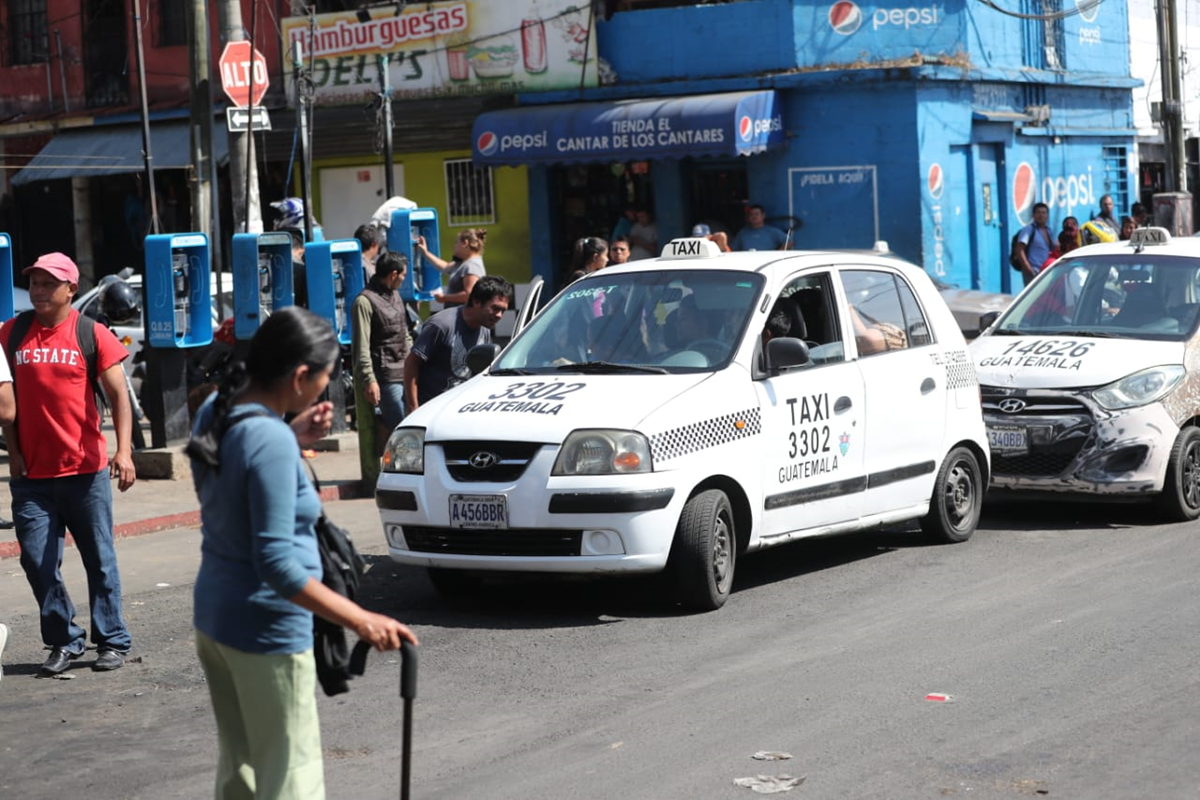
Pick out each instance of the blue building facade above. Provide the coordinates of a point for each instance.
(935, 127)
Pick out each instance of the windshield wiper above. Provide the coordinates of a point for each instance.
(511, 371)
(1090, 333)
(608, 366)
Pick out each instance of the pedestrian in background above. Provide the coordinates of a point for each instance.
(618, 251)
(58, 460)
(438, 359)
(643, 236)
(468, 250)
(380, 340)
(757, 234)
(368, 239)
(589, 254)
(1034, 243)
(259, 579)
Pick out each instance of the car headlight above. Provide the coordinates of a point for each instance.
(405, 451)
(1140, 388)
(603, 452)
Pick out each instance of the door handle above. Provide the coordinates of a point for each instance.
(842, 404)
(928, 385)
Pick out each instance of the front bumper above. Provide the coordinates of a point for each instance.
(592, 524)
(1074, 446)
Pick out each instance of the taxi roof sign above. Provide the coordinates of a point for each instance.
(1149, 236)
(691, 247)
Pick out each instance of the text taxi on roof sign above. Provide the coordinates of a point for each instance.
(680, 412)
(1090, 381)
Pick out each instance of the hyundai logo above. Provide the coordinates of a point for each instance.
(483, 460)
(1009, 405)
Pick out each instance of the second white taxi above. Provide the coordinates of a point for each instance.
(676, 413)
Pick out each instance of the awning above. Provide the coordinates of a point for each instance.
(116, 149)
(733, 124)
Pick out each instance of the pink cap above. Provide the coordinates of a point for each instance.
(58, 265)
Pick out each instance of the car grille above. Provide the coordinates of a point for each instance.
(488, 462)
(511, 542)
(1070, 418)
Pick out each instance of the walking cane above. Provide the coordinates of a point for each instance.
(408, 691)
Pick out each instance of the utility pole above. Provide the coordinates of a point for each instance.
(385, 97)
(1172, 104)
(200, 63)
(243, 172)
(148, 158)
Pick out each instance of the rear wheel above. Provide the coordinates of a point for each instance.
(705, 551)
(957, 498)
(1180, 498)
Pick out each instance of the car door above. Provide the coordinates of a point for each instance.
(812, 417)
(905, 411)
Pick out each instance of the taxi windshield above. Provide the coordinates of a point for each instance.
(1135, 296)
(659, 322)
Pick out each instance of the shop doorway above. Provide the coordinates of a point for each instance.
(718, 191)
(591, 198)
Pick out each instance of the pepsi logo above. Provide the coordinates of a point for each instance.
(1088, 9)
(1024, 191)
(935, 180)
(746, 128)
(487, 143)
(845, 17)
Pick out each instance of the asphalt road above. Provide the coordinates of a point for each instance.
(1066, 640)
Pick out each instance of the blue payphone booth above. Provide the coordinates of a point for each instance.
(423, 278)
(6, 278)
(262, 278)
(335, 277)
(178, 299)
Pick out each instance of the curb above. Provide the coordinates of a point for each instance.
(351, 490)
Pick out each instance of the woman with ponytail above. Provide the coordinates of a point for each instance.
(465, 270)
(259, 580)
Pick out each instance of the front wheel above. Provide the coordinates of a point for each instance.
(957, 499)
(1180, 498)
(705, 551)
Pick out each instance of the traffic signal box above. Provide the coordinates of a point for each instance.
(178, 300)
(335, 277)
(422, 278)
(6, 278)
(262, 279)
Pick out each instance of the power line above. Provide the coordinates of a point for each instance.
(1080, 8)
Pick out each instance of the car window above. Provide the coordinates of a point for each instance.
(877, 313)
(1141, 296)
(809, 305)
(675, 321)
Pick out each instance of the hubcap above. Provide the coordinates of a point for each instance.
(1189, 475)
(721, 550)
(960, 494)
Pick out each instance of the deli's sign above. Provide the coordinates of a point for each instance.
(449, 49)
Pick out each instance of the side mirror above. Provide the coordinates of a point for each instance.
(481, 356)
(987, 320)
(786, 352)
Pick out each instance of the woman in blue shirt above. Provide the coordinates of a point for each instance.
(259, 581)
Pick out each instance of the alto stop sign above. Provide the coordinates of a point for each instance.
(236, 71)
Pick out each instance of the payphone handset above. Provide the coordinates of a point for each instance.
(407, 226)
(334, 273)
(7, 303)
(178, 304)
(262, 278)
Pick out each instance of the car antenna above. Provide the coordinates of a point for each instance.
(787, 242)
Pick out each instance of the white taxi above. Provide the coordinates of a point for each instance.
(1091, 379)
(677, 413)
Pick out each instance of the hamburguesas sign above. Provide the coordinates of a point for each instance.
(445, 50)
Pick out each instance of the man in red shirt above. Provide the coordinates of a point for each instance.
(58, 460)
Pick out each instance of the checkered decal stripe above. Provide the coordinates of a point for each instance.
(720, 430)
(960, 372)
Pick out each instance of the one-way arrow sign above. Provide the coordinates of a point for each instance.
(239, 119)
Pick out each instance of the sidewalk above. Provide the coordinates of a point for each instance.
(157, 505)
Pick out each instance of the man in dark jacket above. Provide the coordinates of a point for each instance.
(380, 340)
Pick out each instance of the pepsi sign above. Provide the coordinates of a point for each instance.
(845, 17)
(1067, 192)
(487, 143)
(935, 180)
(748, 127)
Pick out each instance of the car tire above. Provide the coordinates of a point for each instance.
(452, 583)
(957, 500)
(1180, 498)
(705, 551)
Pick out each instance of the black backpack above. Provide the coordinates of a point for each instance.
(85, 334)
(1013, 261)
